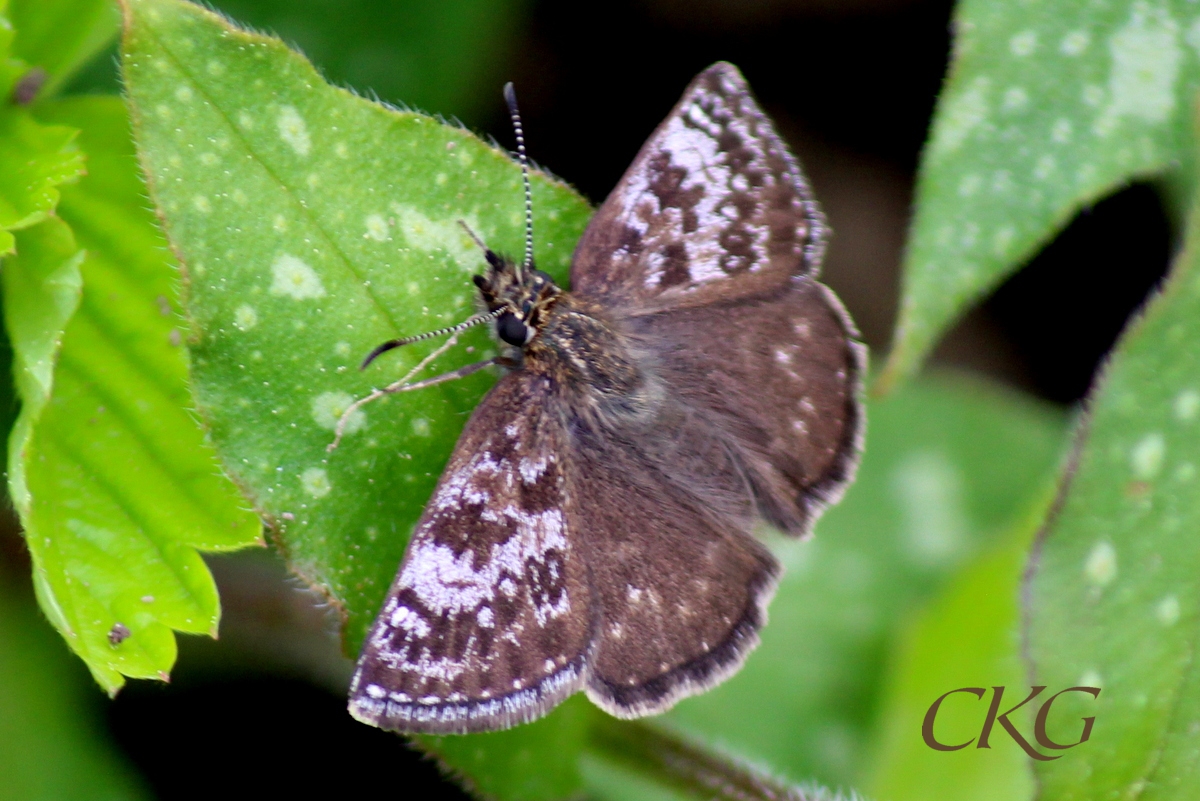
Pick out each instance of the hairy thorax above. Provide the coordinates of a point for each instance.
(587, 356)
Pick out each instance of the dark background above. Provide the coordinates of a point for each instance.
(851, 84)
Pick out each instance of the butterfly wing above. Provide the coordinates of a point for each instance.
(488, 622)
(707, 253)
(778, 374)
(681, 589)
(714, 205)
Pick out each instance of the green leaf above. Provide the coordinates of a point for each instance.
(315, 225)
(34, 159)
(54, 745)
(1047, 108)
(1113, 600)
(60, 36)
(968, 637)
(114, 484)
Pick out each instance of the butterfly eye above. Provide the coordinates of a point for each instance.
(512, 330)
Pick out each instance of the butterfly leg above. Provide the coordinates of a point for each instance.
(403, 384)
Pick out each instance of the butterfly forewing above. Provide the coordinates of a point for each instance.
(714, 205)
(488, 622)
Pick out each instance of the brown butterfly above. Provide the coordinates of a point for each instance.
(592, 530)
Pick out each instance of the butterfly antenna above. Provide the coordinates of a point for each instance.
(510, 97)
(392, 344)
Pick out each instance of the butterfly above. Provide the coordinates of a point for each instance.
(592, 530)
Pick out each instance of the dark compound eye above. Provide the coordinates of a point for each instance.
(512, 330)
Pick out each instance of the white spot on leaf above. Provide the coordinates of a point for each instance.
(430, 235)
(292, 277)
(961, 115)
(1060, 132)
(1100, 566)
(1167, 611)
(377, 228)
(1074, 43)
(1146, 457)
(244, 317)
(1023, 44)
(293, 131)
(328, 408)
(1146, 58)
(1015, 98)
(1187, 403)
(315, 482)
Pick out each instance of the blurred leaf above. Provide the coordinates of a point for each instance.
(34, 159)
(445, 57)
(53, 746)
(1113, 600)
(60, 36)
(968, 637)
(1047, 108)
(315, 225)
(114, 484)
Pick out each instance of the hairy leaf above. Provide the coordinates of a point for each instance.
(1113, 600)
(1047, 108)
(110, 473)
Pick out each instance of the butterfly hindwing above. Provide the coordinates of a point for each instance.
(488, 622)
(681, 589)
(779, 375)
(714, 204)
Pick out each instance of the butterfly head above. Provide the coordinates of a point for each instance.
(520, 298)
